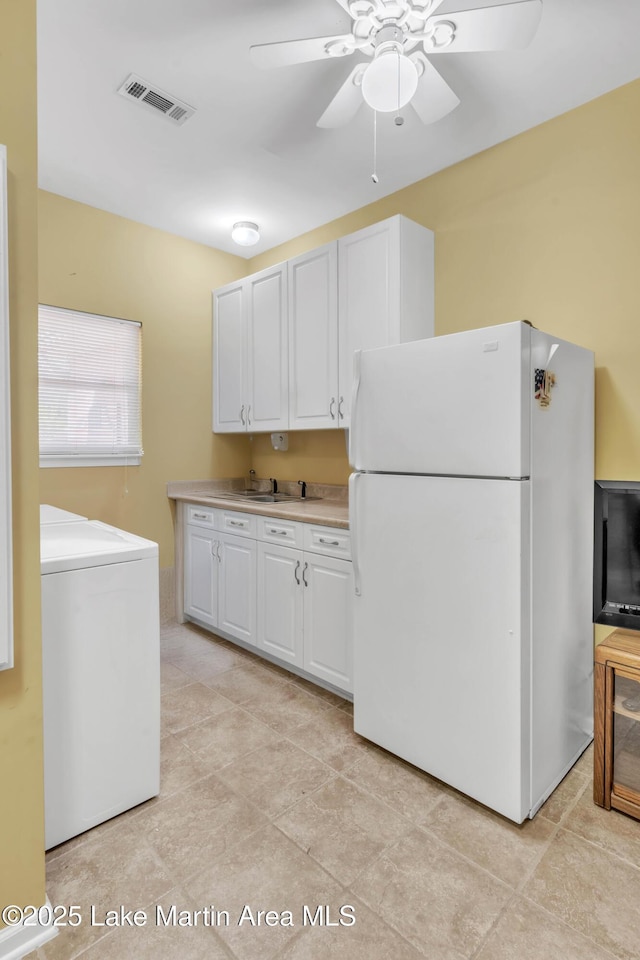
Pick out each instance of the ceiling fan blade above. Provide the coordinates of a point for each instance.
(288, 52)
(433, 98)
(506, 26)
(346, 102)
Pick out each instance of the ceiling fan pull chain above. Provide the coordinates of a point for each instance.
(374, 175)
(398, 120)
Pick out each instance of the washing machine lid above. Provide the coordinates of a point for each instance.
(89, 543)
(50, 514)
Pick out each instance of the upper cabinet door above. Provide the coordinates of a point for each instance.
(229, 364)
(267, 350)
(386, 292)
(313, 339)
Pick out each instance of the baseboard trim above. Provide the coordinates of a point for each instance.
(16, 942)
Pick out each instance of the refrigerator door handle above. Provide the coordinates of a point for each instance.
(353, 432)
(353, 527)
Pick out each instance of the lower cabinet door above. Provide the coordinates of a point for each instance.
(280, 598)
(237, 587)
(328, 591)
(201, 575)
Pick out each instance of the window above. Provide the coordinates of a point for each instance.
(90, 379)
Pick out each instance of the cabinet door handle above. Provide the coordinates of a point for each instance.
(242, 415)
(280, 533)
(331, 406)
(249, 415)
(295, 573)
(340, 413)
(332, 543)
(218, 551)
(304, 570)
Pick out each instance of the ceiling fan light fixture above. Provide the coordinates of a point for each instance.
(245, 233)
(390, 81)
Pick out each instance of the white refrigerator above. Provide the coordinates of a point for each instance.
(471, 515)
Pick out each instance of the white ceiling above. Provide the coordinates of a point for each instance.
(252, 150)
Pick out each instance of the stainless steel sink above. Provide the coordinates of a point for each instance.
(252, 496)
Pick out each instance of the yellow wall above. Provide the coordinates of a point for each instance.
(21, 804)
(94, 261)
(546, 227)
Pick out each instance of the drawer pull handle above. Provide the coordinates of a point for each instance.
(281, 533)
(332, 543)
(237, 523)
(201, 516)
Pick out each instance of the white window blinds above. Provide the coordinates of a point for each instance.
(90, 385)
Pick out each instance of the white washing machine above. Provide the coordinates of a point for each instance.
(101, 674)
(50, 514)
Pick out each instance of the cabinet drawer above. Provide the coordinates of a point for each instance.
(331, 541)
(201, 516)
(242, 524)
(280, 531)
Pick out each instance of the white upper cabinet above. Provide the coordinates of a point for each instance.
(284, 338)
(250, 354)
(385, 292)
(229, 358)
(313, 339)
(267, 350)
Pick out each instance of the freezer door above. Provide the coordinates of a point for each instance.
(456, 405)
(441, 629)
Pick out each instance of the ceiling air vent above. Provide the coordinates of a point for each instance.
(135, 88)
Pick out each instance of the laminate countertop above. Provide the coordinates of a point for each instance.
(328, 504)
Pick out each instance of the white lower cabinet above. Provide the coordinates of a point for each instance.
(220, 582)
(304, 611)
(327, 629)
(288, 593)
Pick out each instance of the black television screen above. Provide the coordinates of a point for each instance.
(616, 580)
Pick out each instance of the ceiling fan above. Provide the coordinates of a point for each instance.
(400, 36)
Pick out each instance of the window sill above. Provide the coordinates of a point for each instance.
(90, 461)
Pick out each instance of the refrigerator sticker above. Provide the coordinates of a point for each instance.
(544, 381)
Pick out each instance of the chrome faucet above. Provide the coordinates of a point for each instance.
(274, 484)
(303, 492)
(252, 477)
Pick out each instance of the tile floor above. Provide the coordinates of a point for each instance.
(270, 800)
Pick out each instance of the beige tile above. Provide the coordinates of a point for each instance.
(118, 868)
(171, 677)
(226, 737)
(178, 767)
(193, 827)
(162, 938)
(563, 797)
(265, 872)
(276, 776)
(332, 740)
(437, 900)
(205, 663)
(343, 828)
(525, 932)
(368, 939)
(615, 832)
(284, 706)
(507, 850)
(333, 698)
(405, 788)
(188, 705)
(246, 682)
(584, 765)
(591, 890)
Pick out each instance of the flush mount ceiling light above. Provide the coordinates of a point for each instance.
(245, 233)
(401, 36)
